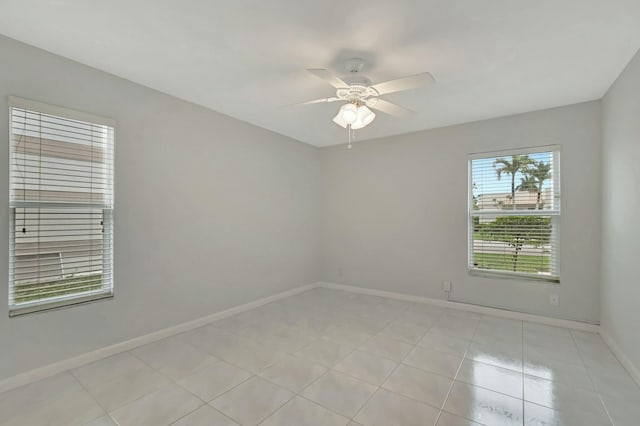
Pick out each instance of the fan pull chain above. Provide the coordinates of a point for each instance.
(350, 132)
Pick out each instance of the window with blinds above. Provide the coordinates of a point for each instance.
(514, 213)
(61, 207)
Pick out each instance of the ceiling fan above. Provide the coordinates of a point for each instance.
(360, 96)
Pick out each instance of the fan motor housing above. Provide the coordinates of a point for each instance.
(358, 90)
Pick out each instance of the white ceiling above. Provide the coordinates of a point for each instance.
(246, 58)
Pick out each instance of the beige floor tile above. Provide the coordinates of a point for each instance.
(205, 416)
(484, 406)
(434, 361)
(252, 401)
(157, 409)
(214, 380)
(389, 409)
(419, 384)
(173, 357)
(364, 366)
(340, 393)
(300, 411)
(293, 373)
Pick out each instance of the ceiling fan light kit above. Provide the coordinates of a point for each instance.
(365, 117)
(355, 116)
(349, 113)
(359, 95)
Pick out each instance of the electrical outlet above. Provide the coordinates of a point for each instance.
(554, 299)
(446, 286)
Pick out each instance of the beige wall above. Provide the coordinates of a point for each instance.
(394, 212)
(621, 212)
(210, 212)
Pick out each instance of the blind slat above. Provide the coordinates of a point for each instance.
(61, 199)
(514, 211)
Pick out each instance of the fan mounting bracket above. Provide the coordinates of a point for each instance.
(354, 65)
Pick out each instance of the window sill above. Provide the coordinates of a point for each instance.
(490, 273)
(58, 303)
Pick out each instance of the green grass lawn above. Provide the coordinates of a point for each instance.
(65, 286)
(504, 262)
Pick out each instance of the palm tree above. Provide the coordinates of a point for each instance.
(535, 175)
(517, 163)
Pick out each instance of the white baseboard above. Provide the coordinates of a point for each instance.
(576, 325)
(631, 368)
(86, 358)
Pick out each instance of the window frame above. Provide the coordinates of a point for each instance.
(554, 214)
(65, 300)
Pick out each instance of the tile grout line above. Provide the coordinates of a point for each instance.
(329, 370)
(90, 396)
(453, 382)
(595, 388)
(441, 409)
(135, 399)
(175, 382)
(203, 405)
(299, 393)
(356, 348)
(293, 395)
(387, 378)
(592, 391)
(450, 386)
(234, 332)
(380, 387)
(171, 380)
(351, 419)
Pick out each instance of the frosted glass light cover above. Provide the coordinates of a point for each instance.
(349, 113)
(339, 121)
(364, 118)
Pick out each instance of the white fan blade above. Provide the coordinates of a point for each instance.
(315, 101)
(406, 83)
(329, 77)
(388, 107)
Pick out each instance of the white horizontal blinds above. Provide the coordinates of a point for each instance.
(61, 199)
(514, 213)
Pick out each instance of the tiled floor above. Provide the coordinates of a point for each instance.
(326, 357)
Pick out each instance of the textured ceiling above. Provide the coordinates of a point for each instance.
(248, 58)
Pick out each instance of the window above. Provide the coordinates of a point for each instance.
(61, 202)
(514, 213)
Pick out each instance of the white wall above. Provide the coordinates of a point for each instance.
(210, 212)
(621, 212)
(394, 212)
